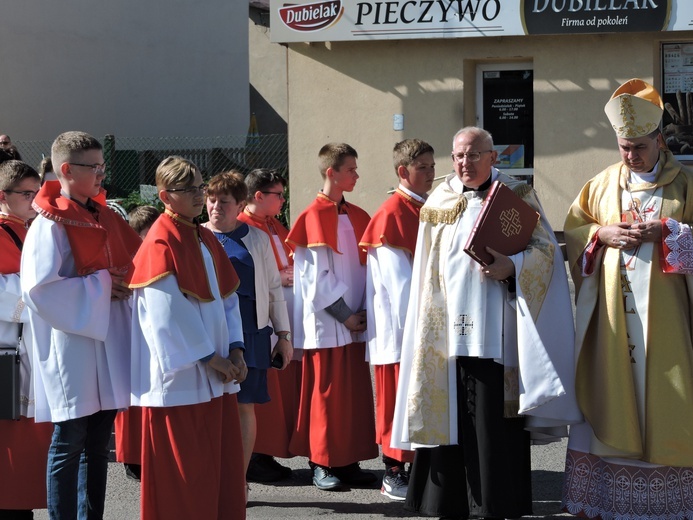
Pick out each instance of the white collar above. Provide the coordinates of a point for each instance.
(412, 194)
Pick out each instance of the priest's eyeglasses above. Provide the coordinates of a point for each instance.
(95, 168)
(471, 156)
(28, 195)
(192, 190)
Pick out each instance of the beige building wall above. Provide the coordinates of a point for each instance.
(268, 88)
(349, 91)
(129, 67)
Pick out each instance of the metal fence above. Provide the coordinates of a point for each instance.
(131, 161)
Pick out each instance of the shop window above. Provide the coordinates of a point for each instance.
(505, 107)
(677, 94)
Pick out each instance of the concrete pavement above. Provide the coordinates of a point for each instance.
(298, 498)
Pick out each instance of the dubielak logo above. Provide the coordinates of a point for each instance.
(313, 16)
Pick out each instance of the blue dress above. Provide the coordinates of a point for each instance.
(258, 347)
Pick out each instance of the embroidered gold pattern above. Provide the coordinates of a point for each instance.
(537, 270)
(444, 216)
(427, 401)
(628, 114)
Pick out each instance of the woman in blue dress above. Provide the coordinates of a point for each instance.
(260, 294)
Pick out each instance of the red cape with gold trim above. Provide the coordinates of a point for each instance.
(317, 225)
(396, 223)
(172, 247)
(10, 255)
(264, 223)
(104, 244)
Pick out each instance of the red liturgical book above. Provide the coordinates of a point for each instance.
(506, 223)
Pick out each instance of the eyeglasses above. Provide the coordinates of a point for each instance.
(28, 195)
(193, 190)
(279, 194)
(4, 142)
(471, 156)
(95, 168)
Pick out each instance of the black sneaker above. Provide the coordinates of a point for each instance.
(354, 475)
(285, 471)
(395, 484)
(324, 479)
(133, 471)
(263, 468)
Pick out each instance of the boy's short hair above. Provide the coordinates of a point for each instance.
(13, 172)
(174, 171)
(228, 183)
(405, 152)
(68, 144)
(332, 155)
(142, 217)
(262, 178)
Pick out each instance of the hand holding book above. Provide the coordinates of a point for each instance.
(501, 268)
(505, 224)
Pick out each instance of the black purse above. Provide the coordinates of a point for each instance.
(9, 381)
(9, 364)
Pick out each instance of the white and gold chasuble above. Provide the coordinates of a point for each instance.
(632, 459)
(454, 310)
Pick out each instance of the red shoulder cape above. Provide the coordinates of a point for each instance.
(317, 225)
(396, 223)
(10, 255)
(264, 224)
(104, 244)
(172, 246)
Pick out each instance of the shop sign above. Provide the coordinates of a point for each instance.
(595, 16)
(359, 20)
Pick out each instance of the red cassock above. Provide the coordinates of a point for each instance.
(191, 453)
(386, 378)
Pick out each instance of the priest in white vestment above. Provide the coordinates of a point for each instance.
(487, 354)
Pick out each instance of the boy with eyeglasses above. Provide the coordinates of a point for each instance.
(75, 257)
(25, 442)
(276, 420)
(187, 353)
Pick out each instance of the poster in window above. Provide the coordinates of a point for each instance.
(677, 94)
(508, 108)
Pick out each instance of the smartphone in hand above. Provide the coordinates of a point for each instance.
(277, 361)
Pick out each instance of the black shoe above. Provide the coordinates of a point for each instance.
(263, 468)
(395, 483)
(16, 514)
(354, 475)
(285, 471)
(133, 471)
(324, 479)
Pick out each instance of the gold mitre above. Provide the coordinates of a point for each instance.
(635, 109)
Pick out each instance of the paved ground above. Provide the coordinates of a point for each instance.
(298, 498)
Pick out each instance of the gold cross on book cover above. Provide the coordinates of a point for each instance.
(506, 223)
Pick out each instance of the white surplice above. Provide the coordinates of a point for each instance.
(321, 277)
(388, 280)
(171, 332)
(81, 337)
